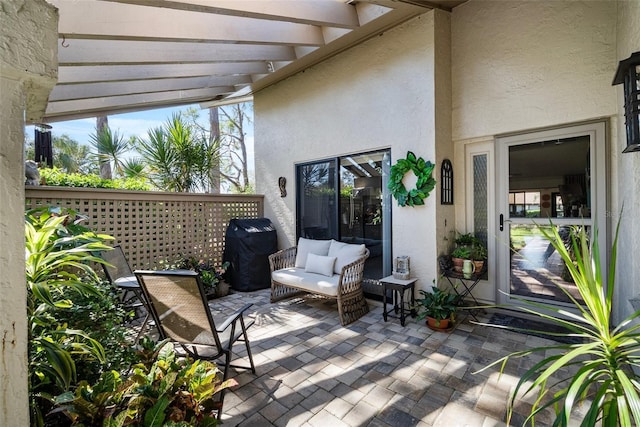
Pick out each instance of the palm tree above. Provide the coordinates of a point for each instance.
(110, 147)
(179, 156)
(70, 155)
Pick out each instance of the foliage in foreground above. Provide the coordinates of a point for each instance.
(58, 253)
(162, 390)
(603, 360)
(58, 178)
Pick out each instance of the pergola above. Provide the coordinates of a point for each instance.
(117, 56)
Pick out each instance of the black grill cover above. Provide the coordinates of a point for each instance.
(248, 244)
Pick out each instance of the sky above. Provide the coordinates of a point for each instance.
(127, 124)
(132, 124)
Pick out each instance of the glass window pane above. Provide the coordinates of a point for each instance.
(316, 200)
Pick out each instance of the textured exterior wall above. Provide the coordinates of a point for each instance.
(626, 173)
(377, 95)
(27, 73)
(525, 65)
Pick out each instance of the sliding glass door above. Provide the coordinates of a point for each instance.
(346, 198)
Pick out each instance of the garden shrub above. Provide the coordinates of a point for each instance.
(56, 177)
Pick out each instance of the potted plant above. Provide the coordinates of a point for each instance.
(479, 256)
(438, 307)
(212, 278)
(465, 240)
(458, 256)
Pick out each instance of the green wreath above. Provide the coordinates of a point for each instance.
(425, 183)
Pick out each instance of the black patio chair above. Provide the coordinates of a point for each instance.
(179, 306)
(119, 273)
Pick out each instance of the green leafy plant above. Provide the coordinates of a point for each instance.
(466, 239)
(209, 273)
(478, 252)
(606, 356)
(162, 390)
(58, 178)
(437, 304)
(102, 317)
(425, 183)
(461, 252)
(58, 254)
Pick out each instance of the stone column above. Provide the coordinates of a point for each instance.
(28, 72)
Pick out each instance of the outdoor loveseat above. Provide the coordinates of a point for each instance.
(327, 268)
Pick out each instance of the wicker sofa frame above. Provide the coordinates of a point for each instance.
(350, 297)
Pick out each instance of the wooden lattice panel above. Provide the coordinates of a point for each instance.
(154, 227)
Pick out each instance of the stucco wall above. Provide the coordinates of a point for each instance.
(377, 95)
(531, 64)
(27, 71)
(626, 172)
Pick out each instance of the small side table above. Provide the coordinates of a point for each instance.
(398, 288)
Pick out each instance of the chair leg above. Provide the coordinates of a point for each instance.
(246, 344)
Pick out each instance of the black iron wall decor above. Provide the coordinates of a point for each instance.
(628, 73)
(446, 183)
(425, 183)
(282, 184)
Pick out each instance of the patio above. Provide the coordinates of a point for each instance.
(313, 372)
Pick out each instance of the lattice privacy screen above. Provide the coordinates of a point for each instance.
(155, 227)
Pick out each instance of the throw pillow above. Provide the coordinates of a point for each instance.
(346, 253)
(310, 246)
(320, 264)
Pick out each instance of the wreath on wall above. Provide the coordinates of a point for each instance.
(424, 185)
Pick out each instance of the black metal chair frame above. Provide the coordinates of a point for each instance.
(233, 329)
(119, 273)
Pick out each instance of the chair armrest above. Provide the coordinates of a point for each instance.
(351, 274)
(285, 258)
(234, 317)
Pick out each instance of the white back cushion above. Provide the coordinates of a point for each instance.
(320, 264)
(309, 246)
(345, 253)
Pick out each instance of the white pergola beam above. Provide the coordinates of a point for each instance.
(329, 13)
(104, 20)
(95, 106)
(103, 73)
(106, 89)
(103, 52)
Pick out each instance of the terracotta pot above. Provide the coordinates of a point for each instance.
(438, 324)
(479, 266)
(457, 264)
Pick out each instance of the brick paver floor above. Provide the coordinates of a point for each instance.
(311, 371)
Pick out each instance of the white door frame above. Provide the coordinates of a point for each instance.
(597, 133)
(486, 290)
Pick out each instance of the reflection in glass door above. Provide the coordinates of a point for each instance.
(545, 176)
(346, 198)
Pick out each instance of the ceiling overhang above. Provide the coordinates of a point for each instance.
(119, 56)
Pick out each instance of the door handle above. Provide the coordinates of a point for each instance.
(502, 221)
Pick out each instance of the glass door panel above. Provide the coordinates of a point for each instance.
(317, 210)
(537, 270)
(549, 175)
(365, 208)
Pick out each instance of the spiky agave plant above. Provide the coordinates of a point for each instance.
(605, 356)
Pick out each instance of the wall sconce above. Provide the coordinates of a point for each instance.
(629, 73)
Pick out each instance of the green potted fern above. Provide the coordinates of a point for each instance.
(438, 307)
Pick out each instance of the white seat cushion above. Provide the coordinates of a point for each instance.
(311, 282)
(345, 253)
(310, 246)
